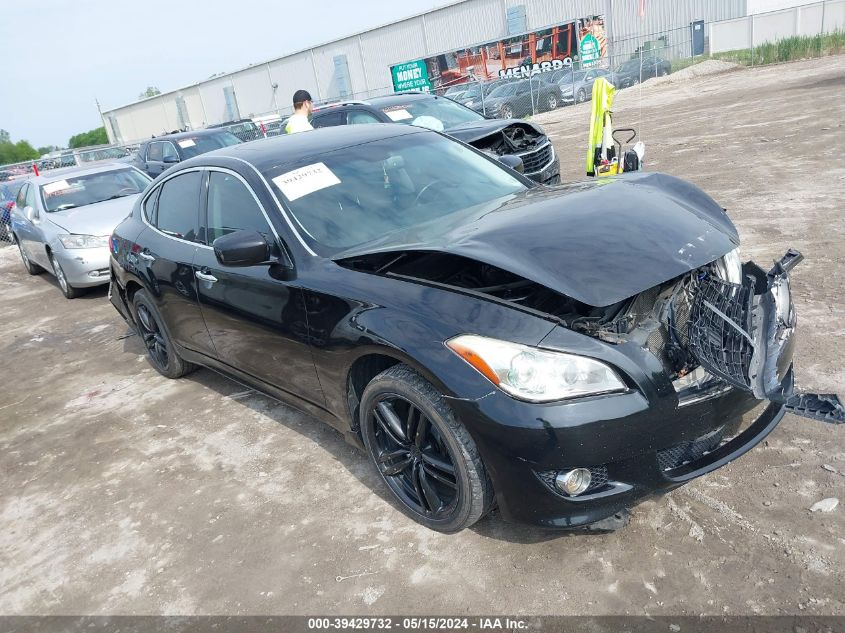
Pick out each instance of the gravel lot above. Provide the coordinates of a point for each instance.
(127, 493)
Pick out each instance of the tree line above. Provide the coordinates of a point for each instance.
(20, 151)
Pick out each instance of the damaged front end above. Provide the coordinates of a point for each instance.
(739, 329)
(720, 326)
(528, 143)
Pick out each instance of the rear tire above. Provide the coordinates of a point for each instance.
(581, 97)
(551, 102)
(160, 348)
(67, 290)
(32, 269)
(507, 112)
(426, 457)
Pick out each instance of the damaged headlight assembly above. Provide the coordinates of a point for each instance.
(534, 374)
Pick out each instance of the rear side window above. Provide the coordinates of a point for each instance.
(168, 151)
(150, 206)
(154, 152)
(178, 206)
(232, 207)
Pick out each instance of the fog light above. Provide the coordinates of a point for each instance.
(574, 482)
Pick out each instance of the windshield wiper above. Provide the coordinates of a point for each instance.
(65, 207)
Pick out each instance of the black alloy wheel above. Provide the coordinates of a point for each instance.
(507, 112)
(551, 101)
(425, 456)
(581, 97)
(156, 340)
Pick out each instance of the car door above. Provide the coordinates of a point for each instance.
(256, 318)
(168, 247)
(154, 160)
(523, 98)
(28, 227)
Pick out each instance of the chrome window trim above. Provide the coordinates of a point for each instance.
(280, 206)
(156, 188)
(226, 170)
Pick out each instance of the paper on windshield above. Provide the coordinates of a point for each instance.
(185, 144)
(300, 182)
(399, 115)
(52, 188)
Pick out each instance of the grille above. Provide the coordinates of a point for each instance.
(598, 481)
(718, 329)
(535, 161)
(689, 452)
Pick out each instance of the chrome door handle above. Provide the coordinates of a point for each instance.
(205, 277)
(146, 257)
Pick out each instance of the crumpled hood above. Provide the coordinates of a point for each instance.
(476, 130)
(94, 219)
(598, 242)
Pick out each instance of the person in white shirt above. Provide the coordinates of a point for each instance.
(302, 108)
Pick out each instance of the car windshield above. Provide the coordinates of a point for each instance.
(435, 113)
(579, 76)
(354, 195)
(106, 153)
(472, 91)
(196, 145)
(505, 90)
(79, 191)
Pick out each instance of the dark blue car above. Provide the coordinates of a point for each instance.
(8, 192)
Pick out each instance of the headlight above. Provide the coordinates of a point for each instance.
(83, 241)
(729, 268)
(534, 374)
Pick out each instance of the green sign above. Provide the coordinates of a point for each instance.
(590, 49)
(411, 76)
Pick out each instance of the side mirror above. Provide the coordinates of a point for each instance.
(242, 248)
(170, 159)
(29, 213)
(514, 162)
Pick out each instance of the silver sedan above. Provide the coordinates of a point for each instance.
(62, 221)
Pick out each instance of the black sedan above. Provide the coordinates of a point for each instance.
(497, 137)
(485, 339)
(159, 153)
(636, 70)
(522, 97)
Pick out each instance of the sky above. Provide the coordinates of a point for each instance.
(61, 56)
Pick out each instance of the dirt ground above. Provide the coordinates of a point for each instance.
(127, 493)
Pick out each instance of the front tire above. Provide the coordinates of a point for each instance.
(426, 457)
(160, 348)
(67, 290)
(581, 97)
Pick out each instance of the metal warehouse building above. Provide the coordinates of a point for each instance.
(360, 65)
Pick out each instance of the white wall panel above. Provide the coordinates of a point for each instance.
(770, 27)
(253, 90)
(211, 92)
(291, 74)
(730, 35)
(464, 24)
(324, 62)
(390, 45)
(810, 19)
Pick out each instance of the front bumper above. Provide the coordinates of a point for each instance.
(634, 448)
(656, 436)
(84, 267)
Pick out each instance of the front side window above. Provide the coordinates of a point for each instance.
(350, 196)
(169, 152)
(232, 207)
(178, 206)
(20, 200)
(328, 119)
(79, 191)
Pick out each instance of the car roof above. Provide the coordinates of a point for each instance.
(265, 154)
(192, 134)
(400, 97)
(60, 174)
